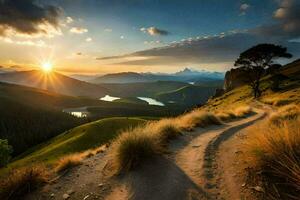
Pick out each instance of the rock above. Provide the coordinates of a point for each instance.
(100, 185)
(52, 195)
(234, 78)
(87, 196)
(258, 189)
(66, 196)
(196, 146)
(244, 184)
(69, 192)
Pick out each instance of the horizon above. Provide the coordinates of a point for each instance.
(101, 37)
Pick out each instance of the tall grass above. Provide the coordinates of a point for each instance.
(274, 149)
(134, 146)
(22, 181)
(290, 112)
(239, 112)
(195, 119)
(69, 161)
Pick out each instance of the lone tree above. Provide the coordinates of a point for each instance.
(256, 60)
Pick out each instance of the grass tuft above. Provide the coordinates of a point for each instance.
(70, 161)
(275, 151)
(290, 112)
(22, 181)
(239, 112)
(166, 130)
(134, 146)
(197, 119)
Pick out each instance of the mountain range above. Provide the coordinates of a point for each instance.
(186, 75)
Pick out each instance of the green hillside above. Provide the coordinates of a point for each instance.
(188, 95)
(78, 139)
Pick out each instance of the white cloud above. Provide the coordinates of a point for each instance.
(69, 20)
(78, 30)
(243, 8)
(38, 43)
(88, 39)
(122, 37)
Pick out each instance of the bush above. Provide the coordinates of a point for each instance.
(22, 181)
(134, 146)
(5, 152)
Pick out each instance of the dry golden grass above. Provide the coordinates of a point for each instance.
(290, 112)
(134, 146)
(274, 149)
(243, 111)
(165, 130)
(70, 161)
(239, 112)
(195, 119)
(22, 181)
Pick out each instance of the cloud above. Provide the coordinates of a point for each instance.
(153, 31)
(24, 17)
(287, 18)
(78, 30)
(122, 37)
(243, 8)
(218, 49)
(88, 39)
(39, 43)
(69, 20)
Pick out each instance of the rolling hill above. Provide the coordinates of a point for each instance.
(75, 140)
(54, 82)
(188, 95)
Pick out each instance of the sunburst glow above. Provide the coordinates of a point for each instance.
(47, 67)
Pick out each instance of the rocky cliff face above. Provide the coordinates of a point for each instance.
(234, 78)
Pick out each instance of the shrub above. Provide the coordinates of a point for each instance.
(68, 162)
(197, 119)
(134, 146)
(5, 152)
(275, 150)
(22, 181)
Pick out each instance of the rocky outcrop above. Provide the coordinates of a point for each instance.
(234, 78)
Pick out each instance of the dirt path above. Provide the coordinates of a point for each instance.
(192, 170)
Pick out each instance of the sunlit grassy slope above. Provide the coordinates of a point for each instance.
(77, 139)
(288, 93)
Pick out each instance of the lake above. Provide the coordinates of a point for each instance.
(109, 98)
(151, 101)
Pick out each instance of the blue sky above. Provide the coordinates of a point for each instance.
(101, 36)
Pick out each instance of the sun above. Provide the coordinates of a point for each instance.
(47, 67)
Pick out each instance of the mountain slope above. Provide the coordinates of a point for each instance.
(54, 82)
(186, 75)
(188, 95)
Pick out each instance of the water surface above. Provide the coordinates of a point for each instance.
(109, 98)
(151, 101)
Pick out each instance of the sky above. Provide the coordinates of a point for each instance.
(108, 36)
